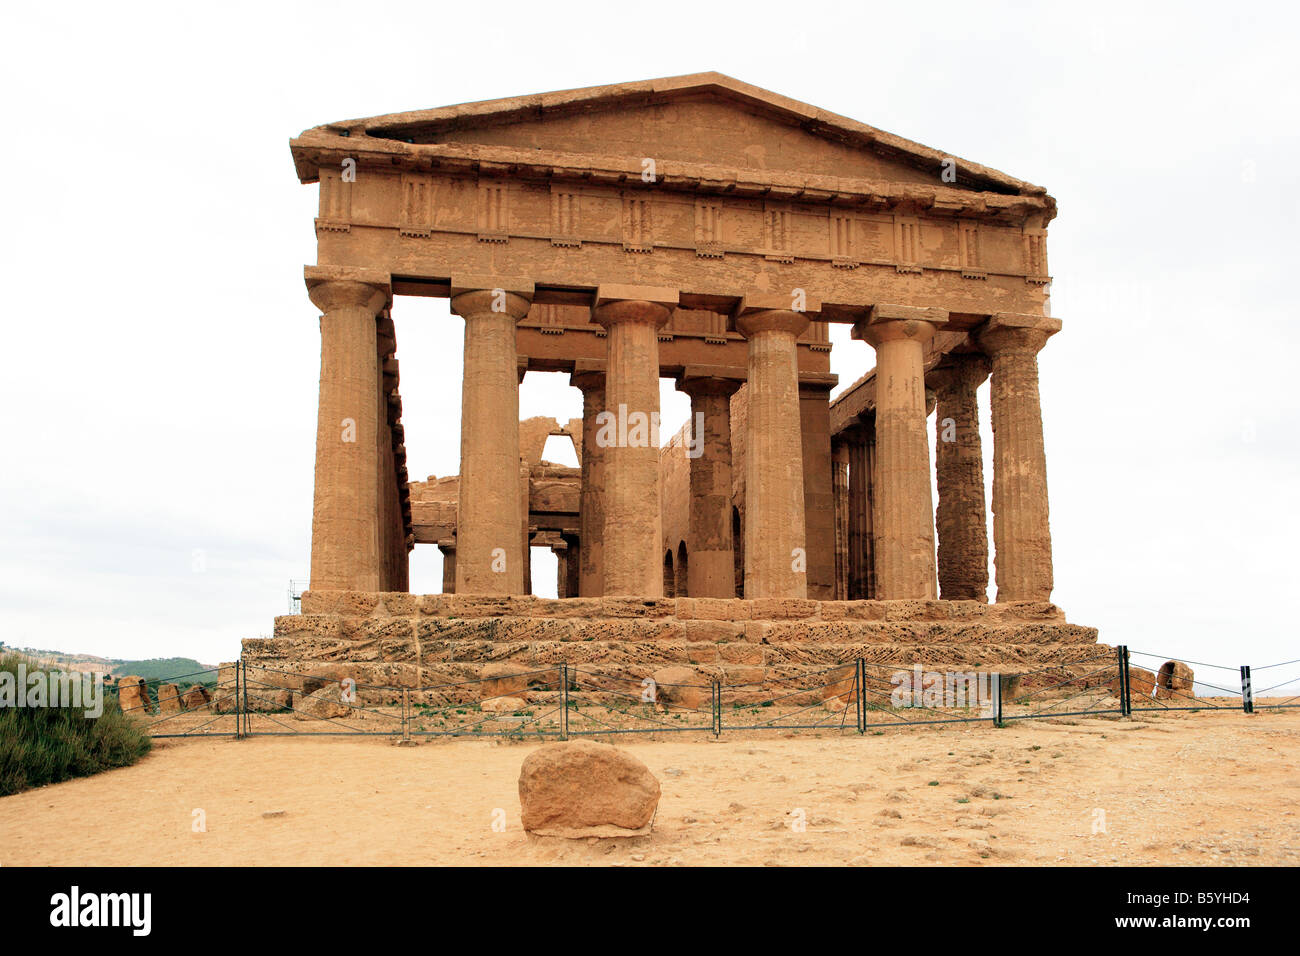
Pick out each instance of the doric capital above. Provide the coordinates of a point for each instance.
(587, 374)
(485, 294)
(702, 380)
(750, 323)
(888, 323)
(1017, 332)
(616, 304)
(964, 371)
(341, 287)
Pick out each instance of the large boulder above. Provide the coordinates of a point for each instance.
(840, 686)
(133, 696)
(196, 698)
(1174, 681)
(326, 702)
(503, 705)
(581, 788)
(680, 686)
(1141, 682)
(504, 679)
(169, 699)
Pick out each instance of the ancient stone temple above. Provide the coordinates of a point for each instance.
(703, 230)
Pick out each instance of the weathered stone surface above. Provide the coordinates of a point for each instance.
(501, 678)
(497, 705)
(582, 788)
(133, 696)
(1174, 681)
(325, 702)
(196, 698)
(169, 699)
(681, 687)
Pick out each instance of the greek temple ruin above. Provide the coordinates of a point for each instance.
(706, 231)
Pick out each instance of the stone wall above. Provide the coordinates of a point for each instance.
(392, 641)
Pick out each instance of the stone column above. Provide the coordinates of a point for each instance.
(591, 509)
(572, 566)
(840, 493)
(629, 435)
(775, 559)
(959, 468)
(488, 513)
(1022, 540)
(711, 569)
(819, 501)
(346, 513)
(904, 511)
(861, 439)
(448, 548)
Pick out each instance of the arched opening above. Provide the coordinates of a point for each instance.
(738, 550)
(682, 589)
(670, 583)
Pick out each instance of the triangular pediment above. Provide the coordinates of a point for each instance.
(706, 119)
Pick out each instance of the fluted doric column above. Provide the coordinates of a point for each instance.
(959, 469)
(775, 557)
(629, 435)
(1022, 540)
(904, 512)
(488, 515)
(840, 494)
(711, 570)
(346, 513)
(591, 508)
(861, 440)
(448, 548)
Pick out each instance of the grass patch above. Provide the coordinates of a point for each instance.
(43, 745)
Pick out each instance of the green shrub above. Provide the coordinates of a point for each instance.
(42, 745)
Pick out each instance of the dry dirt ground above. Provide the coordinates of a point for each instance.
(1195, 788)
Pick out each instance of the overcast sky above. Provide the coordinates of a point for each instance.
(160, 355)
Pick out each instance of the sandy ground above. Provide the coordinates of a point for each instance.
(1200, 788)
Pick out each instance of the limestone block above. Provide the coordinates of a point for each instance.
(197, 698)
(582, 789)
(681, 687)
(1174, 681)
(133, 696)
(169, 699)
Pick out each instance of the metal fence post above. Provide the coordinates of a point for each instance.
(242, 702)
(860, 678)
(235, 707)
(997, 699)
(406, 716)
(564, 701)
(1125, 696)
(1247, 694)
(716, 690)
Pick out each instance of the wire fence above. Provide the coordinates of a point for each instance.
(565, 701)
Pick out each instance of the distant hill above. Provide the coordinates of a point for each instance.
(187, 669)
(162, 668)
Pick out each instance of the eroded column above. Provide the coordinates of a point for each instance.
(903, 516)
(840, 494)
(711, 570)
(488, 515)
(346, 513)
(629, 435)
(959, 468)
(775, 558)
(1022, 540)
(448, 548)
(591, 508)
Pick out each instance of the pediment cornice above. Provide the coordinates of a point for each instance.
(382, 141)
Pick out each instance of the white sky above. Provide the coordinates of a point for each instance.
(160, 355)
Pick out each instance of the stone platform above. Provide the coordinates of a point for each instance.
(398, 640)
